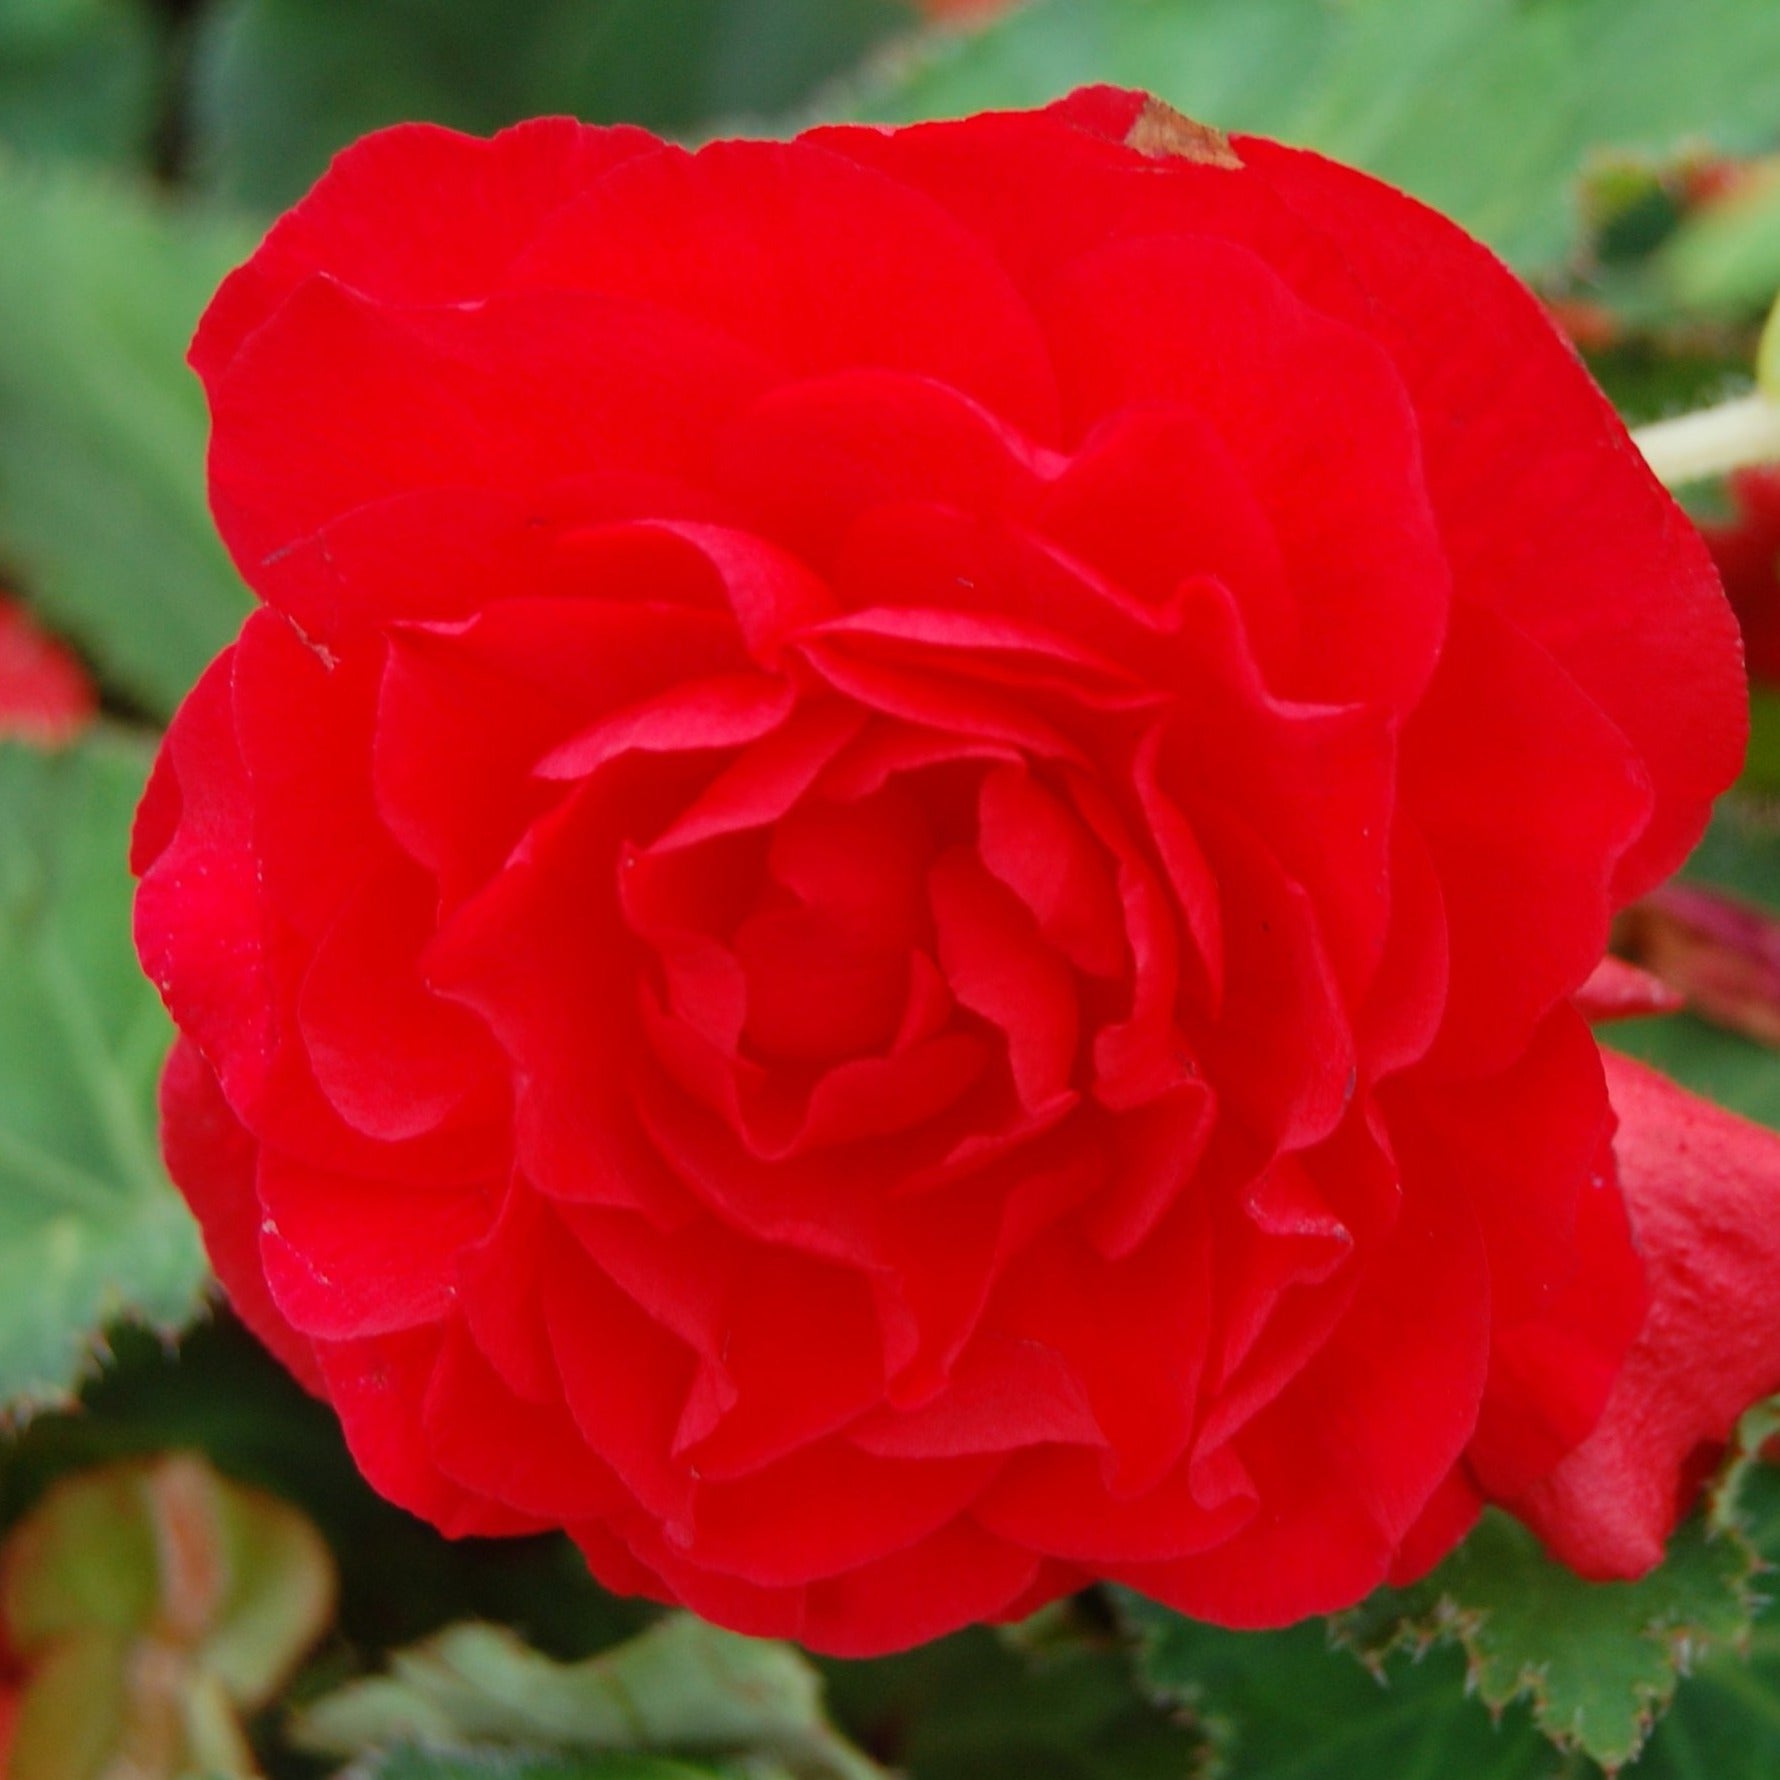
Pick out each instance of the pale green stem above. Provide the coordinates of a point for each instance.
(1713, 441)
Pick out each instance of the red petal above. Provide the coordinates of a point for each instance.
(955, 1577)
(392, 1057)
(1118, 505)
(625, 1377)
(527, 1455)
(1205, 325)
(1281, 1054)
(416, 214)
(1598, 565)
(793, 250)
(1529, 1148)
(1407, 1000)
(1032, 842)
(852, 1508)
(345, 1257)
(303, 723)
(814, 456)
(1527, 795)
(1451, 1513)
(212, 1160)
(998, 965)
(200, 929)
(1003, 1394)
(379, 1388)
(1703, 1187)
(511, 395)
(1620, 991)
(466, 712)
(1349, 1460)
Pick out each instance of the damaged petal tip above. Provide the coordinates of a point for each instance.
(1161, 131)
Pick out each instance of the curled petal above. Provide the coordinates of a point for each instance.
(1703, 1188)
(1616, 990)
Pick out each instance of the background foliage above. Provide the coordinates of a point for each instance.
(1617, 152)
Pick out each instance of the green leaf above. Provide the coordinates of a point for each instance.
(77, 77)
(1725, 1723)
(283, 84)
(682, 1686)
(90, 1229)
(1725, 257)
(102, 430)
(410, 1763)
(1598, 1662)
(1482, 107)
(1285, 1706)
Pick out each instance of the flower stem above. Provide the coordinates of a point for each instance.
(1712, 441)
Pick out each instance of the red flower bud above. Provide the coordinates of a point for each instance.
(45, 695)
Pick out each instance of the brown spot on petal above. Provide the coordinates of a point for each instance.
(1160, 130)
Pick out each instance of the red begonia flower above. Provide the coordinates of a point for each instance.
(46, 697)
(886, 908)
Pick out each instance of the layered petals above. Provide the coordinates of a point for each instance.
(893, 903)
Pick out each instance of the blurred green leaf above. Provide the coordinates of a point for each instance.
(150, 1604)
(982, 1705)
(434, 1764)
(77, 77)
(1488, 109)
(680, 1686)
(1740, 851)
(90, 1228)
(1726, 256)
(102, 429)
(283, 84)
(1767, 351)
(1723, 257)
(1761, 768)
